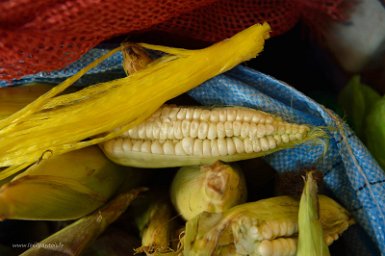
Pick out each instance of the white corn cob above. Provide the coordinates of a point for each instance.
(176, 136)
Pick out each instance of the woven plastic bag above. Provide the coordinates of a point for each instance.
(351, 174)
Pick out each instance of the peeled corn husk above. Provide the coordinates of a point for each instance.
(261, 228)
(96, 110)
(211, 188)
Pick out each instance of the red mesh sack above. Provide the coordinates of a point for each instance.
(45, 35)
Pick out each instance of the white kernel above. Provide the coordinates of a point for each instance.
(278, 139)
(265, 248)
(205, 115)
(206, 147)
(179, 149)
(245, 130)
(293, 137)
(237, 126)
(214, 116)
(136, 145)
(133, 132)
(228, 129)
(264, 144)
(187, 145)
(231, 114)
(261, 130)
(186, 128)
(230, 146)
(127, 145)
(164, 130)
(189, 113)
(177, 130)
(248, 145)
(253, 131)
(156, 148)
(212, 131)
(181, 114)
(238, 145)
(214, 148)
(197, 113)
(156, 130)
(222, 147)
(148, 128)
(117, 147)
(271, 141)
(256, 118)
(146, 147)
(248, 115)
(285, 138)
(198, 147)
(168, 147)
(222, 114)
(194, 129)
(221, 131)
(256, 145)
(203, 130)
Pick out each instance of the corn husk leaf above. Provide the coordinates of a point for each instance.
(97, 110)
(73, 239)
(63, 187)
(311, 240)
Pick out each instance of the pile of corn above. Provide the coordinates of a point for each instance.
(89, 153)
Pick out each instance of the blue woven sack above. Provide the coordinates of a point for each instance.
(351, 174)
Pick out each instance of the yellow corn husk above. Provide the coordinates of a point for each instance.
(153, 215)
(180, 136)
(211, 188)
(13, 99)
(63, 187)
(76, 237)
(95, 111)
(261, 228)
(311, 240)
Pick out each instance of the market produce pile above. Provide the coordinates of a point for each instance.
(124, 169)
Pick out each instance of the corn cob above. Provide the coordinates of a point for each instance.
(63, 187)
(75, 238)
(179, 136)
(121, 103)
(211, 188)
(263, 228)
(153, 217)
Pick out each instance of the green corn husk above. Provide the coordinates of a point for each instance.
(357, 100)
(75, 238)
(311, 240)
(63, 187)
(261, 228)
(375, 132)
(212, 188)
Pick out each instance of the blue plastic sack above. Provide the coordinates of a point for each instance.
(351, 174)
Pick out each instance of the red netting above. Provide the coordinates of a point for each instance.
(44, 35)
